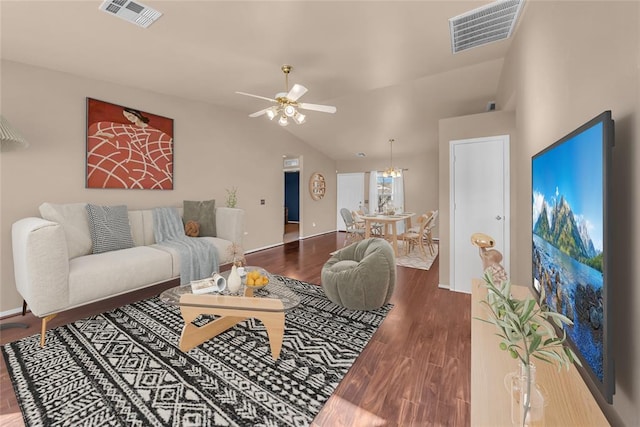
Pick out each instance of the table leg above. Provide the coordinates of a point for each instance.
(274, 324)
(367, 229)
(394, 237)
(192, 335)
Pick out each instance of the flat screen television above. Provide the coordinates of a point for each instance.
(570, 239)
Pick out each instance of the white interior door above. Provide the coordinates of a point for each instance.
(350, 194)
(479, 203)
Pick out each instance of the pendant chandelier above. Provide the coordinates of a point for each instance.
(391, 172)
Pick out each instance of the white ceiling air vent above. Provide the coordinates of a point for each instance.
(135, 12)
(484, 25)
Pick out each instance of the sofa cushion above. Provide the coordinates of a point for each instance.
(109, 228)
(95, 277)
(223, 247)
(204, 213)
(75, 223)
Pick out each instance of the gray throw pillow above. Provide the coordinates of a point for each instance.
(109, 228)
(202, 212)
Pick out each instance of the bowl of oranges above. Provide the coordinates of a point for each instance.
(255, 277)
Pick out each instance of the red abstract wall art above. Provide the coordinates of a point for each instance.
(128, 148)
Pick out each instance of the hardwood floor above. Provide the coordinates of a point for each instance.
(291, 232)
(415, 371)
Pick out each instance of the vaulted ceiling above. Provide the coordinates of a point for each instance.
(386, 65)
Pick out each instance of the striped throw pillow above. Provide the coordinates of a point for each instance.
(109, 228)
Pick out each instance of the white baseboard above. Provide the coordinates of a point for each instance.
(319, 234)
(448, 288)
(282, 243)
(264, 247)
(11, 312)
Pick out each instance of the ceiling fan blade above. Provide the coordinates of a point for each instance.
(317, 107)
(257, 96)
(259, 113)
(296, 92)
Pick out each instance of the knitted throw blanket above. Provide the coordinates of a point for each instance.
(198, 258)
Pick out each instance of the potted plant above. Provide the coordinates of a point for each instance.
(232, 197)
(526, 332)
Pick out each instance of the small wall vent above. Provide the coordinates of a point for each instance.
(486, 24)
(291, 163)
(134, 12)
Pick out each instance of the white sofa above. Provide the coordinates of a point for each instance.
(55, 270)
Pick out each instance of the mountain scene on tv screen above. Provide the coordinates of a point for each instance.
(569, 267)
(567, 234)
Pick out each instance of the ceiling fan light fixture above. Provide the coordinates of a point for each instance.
(272, 113)
(289, 110)
(299, 118)
(287, 104)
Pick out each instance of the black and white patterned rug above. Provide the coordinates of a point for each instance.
(124, 367)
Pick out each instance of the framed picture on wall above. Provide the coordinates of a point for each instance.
(128, 148)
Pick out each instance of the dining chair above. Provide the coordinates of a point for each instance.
(421, 235)
(414, 237)
(376, 227)
(427, 234)
(357, 219)
(353, 232)
(421, 218)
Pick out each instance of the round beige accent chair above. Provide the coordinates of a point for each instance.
(361, 276)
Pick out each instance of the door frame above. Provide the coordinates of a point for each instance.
(505, 139)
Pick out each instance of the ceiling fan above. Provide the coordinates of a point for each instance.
(287, 103)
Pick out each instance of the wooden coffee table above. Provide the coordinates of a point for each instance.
(267, 304)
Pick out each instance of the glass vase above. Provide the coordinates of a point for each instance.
(527, 397)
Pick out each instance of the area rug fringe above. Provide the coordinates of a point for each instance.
(124, 367)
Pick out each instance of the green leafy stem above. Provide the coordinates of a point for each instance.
(525, 329)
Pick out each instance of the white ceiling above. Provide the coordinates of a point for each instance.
(386, 65)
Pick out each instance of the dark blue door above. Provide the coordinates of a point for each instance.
(292, 196)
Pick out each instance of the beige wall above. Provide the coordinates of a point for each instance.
(569, 61)
(214, 149)
(420, 179)
(475, 126)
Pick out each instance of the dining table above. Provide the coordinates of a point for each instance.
(389, 222)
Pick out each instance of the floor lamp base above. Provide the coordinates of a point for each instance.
(16, 325)
(13, 325)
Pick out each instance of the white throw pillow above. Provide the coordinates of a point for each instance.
(74, 221)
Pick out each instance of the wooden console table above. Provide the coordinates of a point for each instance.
(570, 403)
